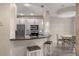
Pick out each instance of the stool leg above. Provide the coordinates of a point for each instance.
(43, 50)
(50, 50)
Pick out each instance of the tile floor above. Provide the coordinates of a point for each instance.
(67, 51)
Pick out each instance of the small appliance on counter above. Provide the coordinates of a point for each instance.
(34, 31)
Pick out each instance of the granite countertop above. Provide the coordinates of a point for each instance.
(22, 38)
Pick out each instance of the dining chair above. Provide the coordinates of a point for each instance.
(73, 41)
(59, 39)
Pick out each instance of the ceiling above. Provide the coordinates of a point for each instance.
(55, 9)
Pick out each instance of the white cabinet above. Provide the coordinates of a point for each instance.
(31, 21)
(18, 51)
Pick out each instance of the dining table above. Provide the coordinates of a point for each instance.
(66, 39)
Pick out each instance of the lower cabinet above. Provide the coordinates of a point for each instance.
(18, 51)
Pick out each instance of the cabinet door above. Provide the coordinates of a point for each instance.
(21, 27)
(18, 51)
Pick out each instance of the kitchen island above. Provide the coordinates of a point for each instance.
(18, 46)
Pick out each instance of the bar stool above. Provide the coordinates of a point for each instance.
(47, 50)
(33, 51)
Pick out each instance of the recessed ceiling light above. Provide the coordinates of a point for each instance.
(32, 14)
(21, 14)
(27, 5)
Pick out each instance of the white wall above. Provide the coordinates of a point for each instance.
(13, 16)
(7, 27)
(61, 26)
(4, 29)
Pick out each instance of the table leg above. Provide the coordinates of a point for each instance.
(63, 43)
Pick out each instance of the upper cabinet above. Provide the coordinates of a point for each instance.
(27, 21)
(30, 20)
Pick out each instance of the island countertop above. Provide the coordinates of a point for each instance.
(22, 38)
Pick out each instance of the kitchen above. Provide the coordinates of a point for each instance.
(36, 24)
